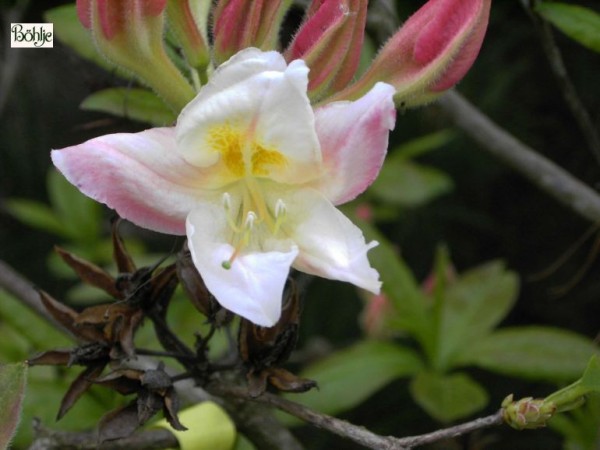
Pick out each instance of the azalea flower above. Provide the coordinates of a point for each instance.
(251, 174)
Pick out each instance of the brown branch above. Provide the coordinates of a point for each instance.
(355, 433)
(545, 174)
(451, 432)
(22, 289)
(64, 440)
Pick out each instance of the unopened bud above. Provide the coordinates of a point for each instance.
(330, 41)
(239, 24)
(129, 33)
(432, 52)
(527, 413)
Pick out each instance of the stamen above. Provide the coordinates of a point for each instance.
(226, 199)
(280, 215)
(243, 241)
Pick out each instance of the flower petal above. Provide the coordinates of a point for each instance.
(253, 286)
(257, 94)
(139, 175)
(331, 246)
(354, 139)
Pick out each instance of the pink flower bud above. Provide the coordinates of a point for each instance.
(375, 316)
(239, 24)
(114, 15)
(129, 33)
(330, 41)
(432, 51)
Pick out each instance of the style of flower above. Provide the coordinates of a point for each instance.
(251, 174)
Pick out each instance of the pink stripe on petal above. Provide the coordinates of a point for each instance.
(139, 175)
(354, 139)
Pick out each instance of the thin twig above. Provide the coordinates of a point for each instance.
(63, 440)
(22, 289)
(451, 432)
(548, 176)
(565, 84)
(355, 433)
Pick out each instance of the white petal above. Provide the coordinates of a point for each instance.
(331, 246)
(253, 286)
(269, 106)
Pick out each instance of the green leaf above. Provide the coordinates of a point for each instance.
(536, 353)
(581, 426)
(72, 33)
(591, 377)
(409, 184)
(349, 377)
(448, 397)
(45, 389)
(421, 145)
(79, 215)
(579, 23)
(13, 378)
(132, 103)
(410, 304)
(36, 215)
(22, 320)
(472, 306)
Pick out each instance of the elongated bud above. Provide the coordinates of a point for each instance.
(129, 33)
(527, 413)
(186, 27)
(432, 52)
(240, 24)
(330, 41)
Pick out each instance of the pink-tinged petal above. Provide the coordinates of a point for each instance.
(330, 245)
(139, 175)
(253, 286)
(354, 140)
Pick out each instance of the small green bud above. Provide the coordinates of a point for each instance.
(527, 413)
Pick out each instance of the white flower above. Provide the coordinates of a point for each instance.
(251, 174)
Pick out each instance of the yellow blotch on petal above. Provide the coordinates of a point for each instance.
(242, 155)
(228, 141)
(264, 160)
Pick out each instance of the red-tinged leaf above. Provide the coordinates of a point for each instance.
(119, 423)
(286, 381)
(67, 318)
(125, 337)
(148, 404)
(170, 410)
(78, 387)
(13, 378)
(257, 383)
(51, 358)
(125, 382)
(90, 273)
(163, 285)
(124, 262)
